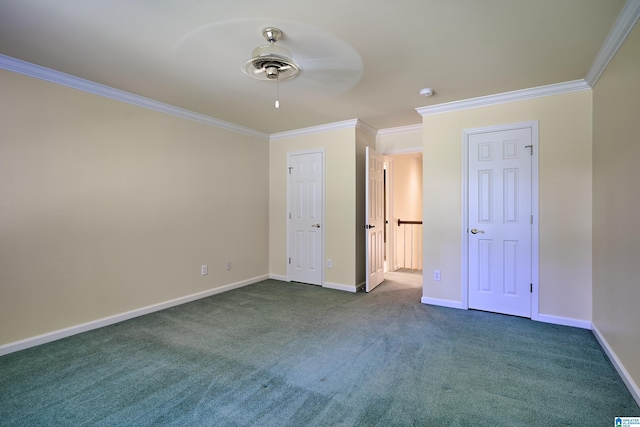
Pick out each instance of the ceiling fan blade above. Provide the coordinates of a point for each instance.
(329, 64)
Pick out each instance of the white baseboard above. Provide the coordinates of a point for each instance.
(563, 321)
(328, 285)
(626, 378)
(106, 321)
(339, 287)
(443, 303)
(545, 318)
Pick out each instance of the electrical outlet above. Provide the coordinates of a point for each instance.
(204, 270)
(329, 263)
(228, 265)
(436, 275)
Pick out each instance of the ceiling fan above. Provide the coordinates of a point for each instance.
(315, 64)
(271, 62)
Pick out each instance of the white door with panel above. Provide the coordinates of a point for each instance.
(306, 219)
(500, 221)
(374, 211)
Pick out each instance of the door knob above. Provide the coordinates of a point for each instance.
(476, 231)
(315, 225)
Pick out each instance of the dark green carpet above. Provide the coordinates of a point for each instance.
(284, 354)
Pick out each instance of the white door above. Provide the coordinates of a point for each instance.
(500, 221)
(374, 211)
(305, 218)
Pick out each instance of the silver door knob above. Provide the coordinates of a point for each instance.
(315, 225)
(476, 231)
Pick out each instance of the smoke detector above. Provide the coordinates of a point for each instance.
(426, 92)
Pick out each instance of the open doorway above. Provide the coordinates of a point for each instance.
(403, 218)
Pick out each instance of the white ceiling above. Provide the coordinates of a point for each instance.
(189, 53)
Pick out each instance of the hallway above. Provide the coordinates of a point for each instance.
(405, 277)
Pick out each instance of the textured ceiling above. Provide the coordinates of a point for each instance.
(361, 59)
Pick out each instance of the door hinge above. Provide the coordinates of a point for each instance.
(531, 219)
(289, 260)
(529, 147)
(531, 288)
(290, 169)
(290, 216)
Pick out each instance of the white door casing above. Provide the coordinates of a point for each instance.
(374, 217)
(499, 227)
(390, 251)
(306, 217)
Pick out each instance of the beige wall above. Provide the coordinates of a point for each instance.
(340, 207)
(565, 198)
(616, 205)
(107, 207)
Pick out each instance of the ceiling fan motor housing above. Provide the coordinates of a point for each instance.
(270, 62)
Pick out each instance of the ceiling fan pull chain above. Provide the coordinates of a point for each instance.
(277, 92)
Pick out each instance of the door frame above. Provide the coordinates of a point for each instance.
(535, 141)
(390, 251)
(290, 154)
(392, 227)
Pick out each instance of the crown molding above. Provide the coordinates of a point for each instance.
(625, 22)
(57, 77)
(366, 127)
(619, 32)
(627, 19)
(400, 130)
(501, 98)
(413, 150)
(346, 124)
